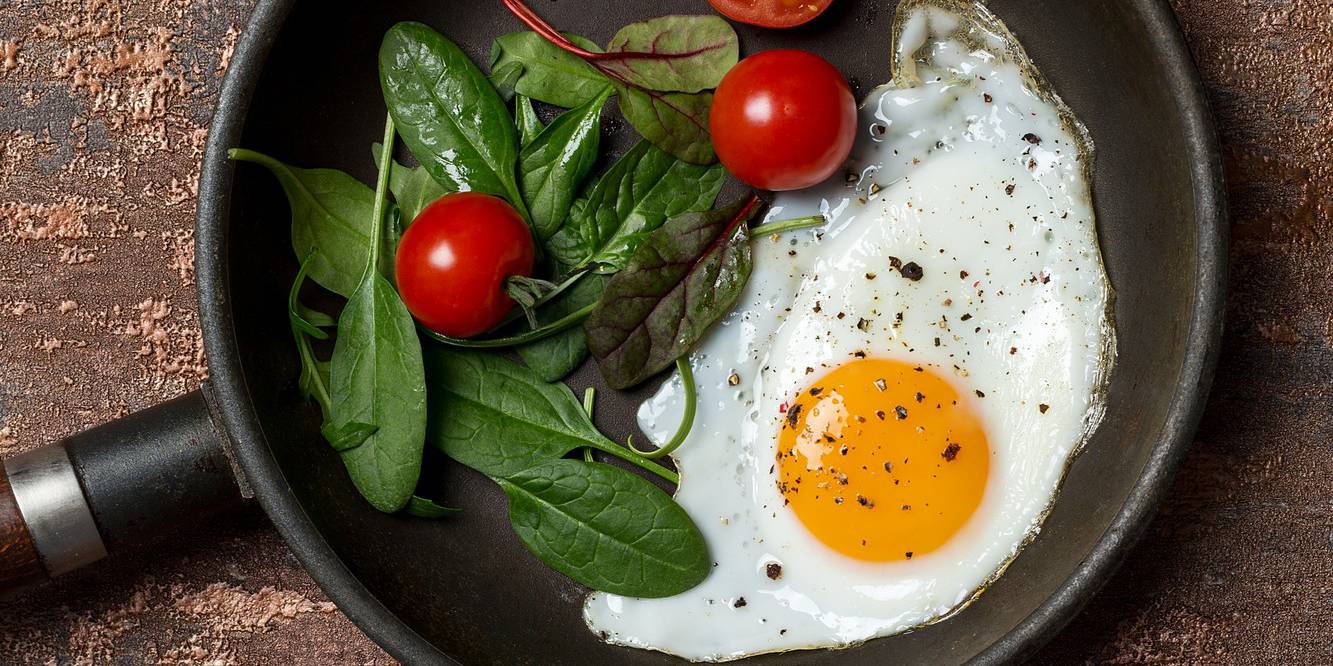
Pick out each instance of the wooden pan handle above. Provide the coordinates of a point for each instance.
(19, 564)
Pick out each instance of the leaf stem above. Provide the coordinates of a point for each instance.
(293, 304)
(381, 195)
(568, 321)
(546, 297)
(635, 457)
(589, 397)
(784, 226)
(686, 419)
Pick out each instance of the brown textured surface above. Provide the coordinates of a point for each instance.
(104, 106)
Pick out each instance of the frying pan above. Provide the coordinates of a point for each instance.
(302, 86)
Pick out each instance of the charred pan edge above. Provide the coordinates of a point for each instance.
(233, 400)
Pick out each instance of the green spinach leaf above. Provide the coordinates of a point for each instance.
(424, 508)
(497, 416)
(449, 114)
(635, 196)
(413, 187)
(330, 219)
(377, 377)
(555, 357)
(680, 280)
(675, 53)
(529, 125)
(674, 122)
(606, 528)
(554, 165)
(505, 78)
(547, 73)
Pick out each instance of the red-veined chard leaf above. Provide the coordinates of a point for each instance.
(674, 53)
(680, 280)
(448, 113)
(675, 122)
(606, 528)
(635, 196)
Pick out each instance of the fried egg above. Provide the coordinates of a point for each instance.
(885, 416)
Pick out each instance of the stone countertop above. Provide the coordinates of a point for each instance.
(104, 109)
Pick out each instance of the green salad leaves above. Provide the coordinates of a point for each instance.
(635, 267)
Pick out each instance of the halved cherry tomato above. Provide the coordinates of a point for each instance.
(783, 120)
(771, 13)
(453, 261)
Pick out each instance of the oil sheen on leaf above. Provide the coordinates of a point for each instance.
(448, 113)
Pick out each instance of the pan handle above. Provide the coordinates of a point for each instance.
(110, 489)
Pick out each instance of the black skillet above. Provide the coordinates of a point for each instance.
(302, 86)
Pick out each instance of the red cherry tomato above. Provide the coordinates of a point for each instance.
(771, 13)
(453, 261)
(783, 120)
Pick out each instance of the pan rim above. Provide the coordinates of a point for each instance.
(240, 421)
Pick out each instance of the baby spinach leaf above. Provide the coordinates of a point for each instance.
(675, 122)
(348, 436)
(413, 187)
(606, 528)
(680, 280)
(505, 78)
(449, 114)
(547, 73)
(635, 196)
(674, 53)
(553, 166)
(424, 508)
(498, 417)
(529, 125)
(555, 357)
(377, 377)
(330, 219)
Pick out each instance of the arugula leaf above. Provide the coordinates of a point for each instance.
(413, 187)
(675, 122)
(547, 73)
(681, 279)
(606, 528)
(377, 377)
(449, 114)
(330, 219)
(555, 163)
(635, 196)
(499, 418)
(553, 358)
(529, 125)
(425, 508)
(675, 53)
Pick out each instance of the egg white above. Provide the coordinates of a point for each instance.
(967, 165)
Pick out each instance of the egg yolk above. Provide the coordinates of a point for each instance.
(882, 460)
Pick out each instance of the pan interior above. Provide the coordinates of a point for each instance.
(467, 585)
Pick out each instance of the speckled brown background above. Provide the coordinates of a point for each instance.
(104, 108)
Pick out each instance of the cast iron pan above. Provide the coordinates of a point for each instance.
(302, 86)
